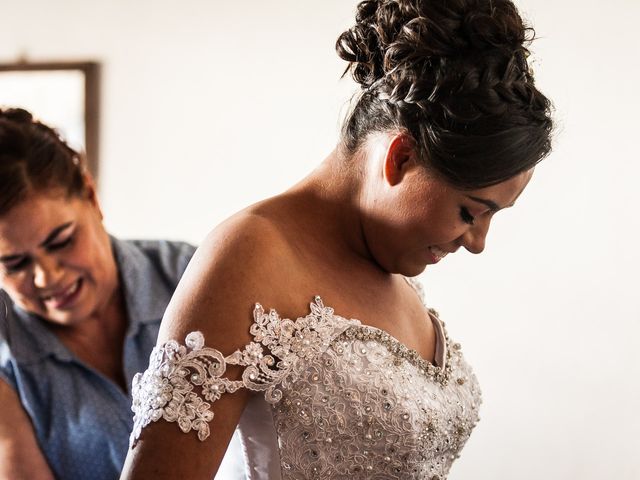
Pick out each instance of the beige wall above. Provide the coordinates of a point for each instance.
(211, 105)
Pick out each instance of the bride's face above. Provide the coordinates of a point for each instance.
(415, 218)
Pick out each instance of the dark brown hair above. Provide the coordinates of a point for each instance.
(454, 75)
(33, 158)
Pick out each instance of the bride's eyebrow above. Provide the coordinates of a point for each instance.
(493, 206)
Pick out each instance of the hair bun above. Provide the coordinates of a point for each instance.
(360, 46)
(17, 115)
(34, 158)
(454, 73)
(419, 37)
(12, 138)
(498, 26)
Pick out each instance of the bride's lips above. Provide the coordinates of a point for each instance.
(64, 298)
(437, 254)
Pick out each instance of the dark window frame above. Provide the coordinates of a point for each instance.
(91, 72)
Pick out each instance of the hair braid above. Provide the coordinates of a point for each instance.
(454, 73)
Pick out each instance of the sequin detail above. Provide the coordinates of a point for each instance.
(401, 351)
(367, 409)
(182, 381)
(348, 401)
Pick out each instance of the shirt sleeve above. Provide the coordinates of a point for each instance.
(170, 257)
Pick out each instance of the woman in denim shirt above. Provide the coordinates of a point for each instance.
(79, 312)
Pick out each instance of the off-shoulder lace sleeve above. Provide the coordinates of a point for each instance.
(182, 381)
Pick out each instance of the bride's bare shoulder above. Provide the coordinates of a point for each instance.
(251, 238)
(242, 261)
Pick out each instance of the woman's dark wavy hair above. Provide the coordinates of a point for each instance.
(33, 158)
(454, 75)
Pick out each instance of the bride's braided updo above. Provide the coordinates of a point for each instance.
(454, 75)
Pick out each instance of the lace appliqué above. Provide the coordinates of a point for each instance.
(400, 351)
(367, 408)
(275, 359)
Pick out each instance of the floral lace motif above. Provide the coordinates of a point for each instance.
(349, 401)
(167, 389)
(401, 351)
(368, 409)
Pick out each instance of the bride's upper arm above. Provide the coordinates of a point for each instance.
(182, 426)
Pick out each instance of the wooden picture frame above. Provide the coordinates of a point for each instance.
(64, 95)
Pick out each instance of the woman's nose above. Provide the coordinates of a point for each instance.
(47, 272)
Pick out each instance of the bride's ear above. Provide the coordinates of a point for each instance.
(400, 156)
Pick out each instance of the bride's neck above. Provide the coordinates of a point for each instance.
(329, 199)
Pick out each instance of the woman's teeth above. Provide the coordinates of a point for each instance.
(59, 296)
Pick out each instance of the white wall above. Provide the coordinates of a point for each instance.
(210, 105)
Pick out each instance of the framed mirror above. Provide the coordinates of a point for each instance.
(64, 95)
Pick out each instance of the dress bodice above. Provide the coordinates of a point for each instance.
(342, 400)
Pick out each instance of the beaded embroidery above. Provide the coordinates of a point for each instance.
(349, 401)
(166, 389)
(401, 351)
(362, 412)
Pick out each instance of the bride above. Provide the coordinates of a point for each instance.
(297, 322)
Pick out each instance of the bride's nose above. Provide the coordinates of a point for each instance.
(474, 238)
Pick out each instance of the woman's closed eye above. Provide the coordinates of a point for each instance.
(60, 245)
(16, 266)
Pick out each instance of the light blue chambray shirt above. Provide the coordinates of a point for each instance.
(81, 418)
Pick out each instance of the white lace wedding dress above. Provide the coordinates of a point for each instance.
(341, 400)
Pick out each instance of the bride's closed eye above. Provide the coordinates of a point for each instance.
(466, 216)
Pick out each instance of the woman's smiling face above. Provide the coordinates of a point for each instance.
(55, 257)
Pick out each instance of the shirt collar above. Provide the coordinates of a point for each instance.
(145, 290)
(28, 336)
